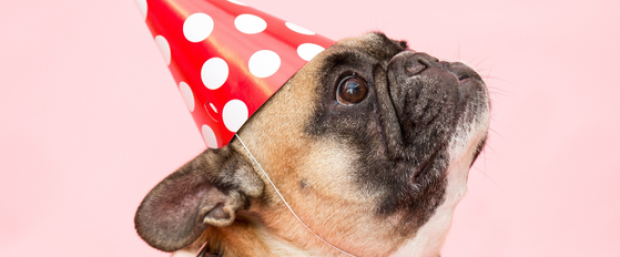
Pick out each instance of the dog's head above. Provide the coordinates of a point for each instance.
(370, 143)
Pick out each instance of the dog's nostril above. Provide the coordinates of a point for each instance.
(414, 67)
(418, 62)
(462, 76)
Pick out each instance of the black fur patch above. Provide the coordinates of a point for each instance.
(400, 130)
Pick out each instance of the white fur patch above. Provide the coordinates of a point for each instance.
(184, 253)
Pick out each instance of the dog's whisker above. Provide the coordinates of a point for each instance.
(497, 78)
(501, 93)
(497, 133)
(486, 175)
(483, 60)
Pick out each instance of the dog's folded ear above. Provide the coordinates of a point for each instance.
(207, 191)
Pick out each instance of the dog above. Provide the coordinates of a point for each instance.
(370, 145)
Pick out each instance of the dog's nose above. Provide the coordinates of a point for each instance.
(418, 62)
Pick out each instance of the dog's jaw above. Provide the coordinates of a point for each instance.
(431, 236)
(462, 150)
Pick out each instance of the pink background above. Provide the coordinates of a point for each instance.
(91, 119)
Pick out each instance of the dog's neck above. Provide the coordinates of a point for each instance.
(243, 239)
(250, 238)
(246, 240)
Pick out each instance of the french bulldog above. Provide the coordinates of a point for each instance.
(370, 144)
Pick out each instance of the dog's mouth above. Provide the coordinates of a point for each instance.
(431, 99)
(426, 166)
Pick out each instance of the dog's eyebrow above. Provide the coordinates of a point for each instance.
(349, 58)
(341, 58)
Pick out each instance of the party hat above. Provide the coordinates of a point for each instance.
(226, 58)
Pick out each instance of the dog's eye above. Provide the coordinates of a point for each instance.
(351, 90)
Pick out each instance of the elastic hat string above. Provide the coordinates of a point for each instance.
(286, 203)
(203, 248)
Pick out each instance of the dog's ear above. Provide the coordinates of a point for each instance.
(207, 191)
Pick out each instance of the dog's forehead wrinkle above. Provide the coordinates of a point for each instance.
(376, 44)
(347, 60)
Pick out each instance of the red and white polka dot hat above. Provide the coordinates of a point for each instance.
(226, 58)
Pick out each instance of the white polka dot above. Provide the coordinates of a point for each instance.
(237, 2)
(250, 24)
(307, 51)
(298, 29)
(264, 63)
(197, 27)
(209, 136)
(214, 73)
(164, 48)
(143, 7)
(235, 113)
(188, 95)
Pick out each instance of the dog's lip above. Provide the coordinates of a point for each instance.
(465, 77)
(427, 164)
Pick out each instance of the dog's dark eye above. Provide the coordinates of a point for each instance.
(351, 90)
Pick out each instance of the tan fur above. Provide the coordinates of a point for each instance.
(327, 206)
(316, 177)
